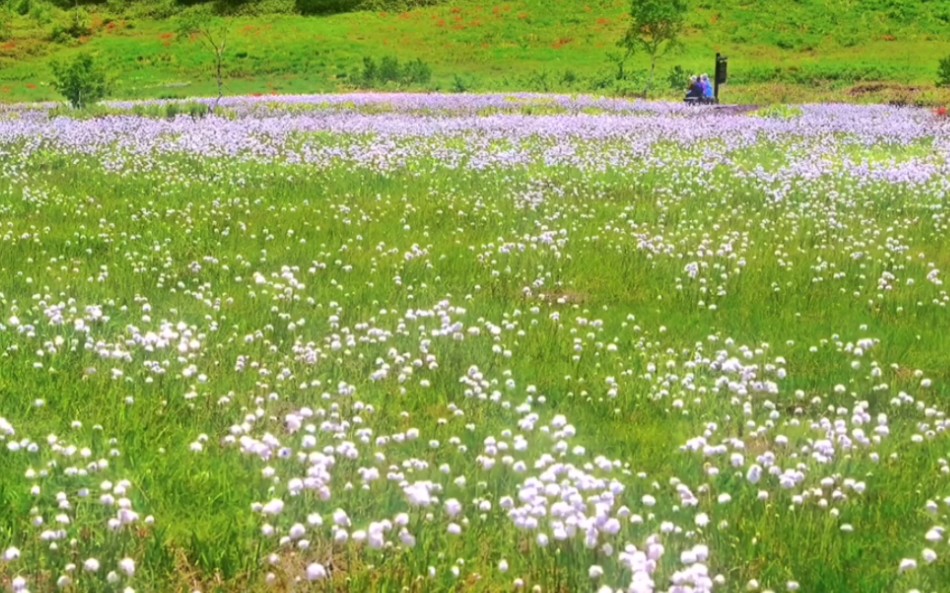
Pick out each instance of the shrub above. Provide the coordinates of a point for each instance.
(459, 85)
(678, 78)
(389, 71)
(198, 110)
(369, 75)
(943, 72)
(416, 72)
(326, 6)
(80, 81)
(74, 26)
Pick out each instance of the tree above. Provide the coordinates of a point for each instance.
(81, 81)
(655, 29)
(214, 36)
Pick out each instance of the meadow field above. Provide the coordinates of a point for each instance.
(474, 343)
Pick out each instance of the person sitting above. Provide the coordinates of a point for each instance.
(709, 92)
(695, 92)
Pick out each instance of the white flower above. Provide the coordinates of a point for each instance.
(453, 507)
(595, 572)
(11, 554)
(91, 565)
(340, 518)
(274, 507)
(928, 555)
(127, 565)
(316, 572)
(907, 564)
(503, 565)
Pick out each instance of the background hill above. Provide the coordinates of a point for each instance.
(780, 51)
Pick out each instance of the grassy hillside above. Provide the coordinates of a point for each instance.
(779, 51)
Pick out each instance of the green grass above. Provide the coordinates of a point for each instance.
(186, 234)
(779, 51)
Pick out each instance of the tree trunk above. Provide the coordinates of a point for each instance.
(220, 82)
(652, 72)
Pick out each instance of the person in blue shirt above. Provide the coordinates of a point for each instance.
(695, 92)
(709, 92)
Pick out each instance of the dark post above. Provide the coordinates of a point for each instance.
(722, 63)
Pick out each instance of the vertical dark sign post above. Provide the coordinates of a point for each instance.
(722, 63)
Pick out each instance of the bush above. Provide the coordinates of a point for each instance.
(416, 72)
(81, 81)
(326, 6)
(678, 78)
(459, 85)
(388, 71)
(943, 72)
(316, 7)
(74, 26)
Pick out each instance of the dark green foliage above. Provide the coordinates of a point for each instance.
(388, 69)
(416, 72)
(171, 110)
(389, 72)
(678, 78)
(317, 7)
(80, 81)
(323, 7)
(943, 72)
(370, 73)
(459, 85)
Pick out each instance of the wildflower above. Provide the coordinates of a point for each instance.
(316, 572)
(127, 565)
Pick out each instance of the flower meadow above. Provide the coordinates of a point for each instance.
(474, 343)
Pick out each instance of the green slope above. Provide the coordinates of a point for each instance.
(789, 50)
